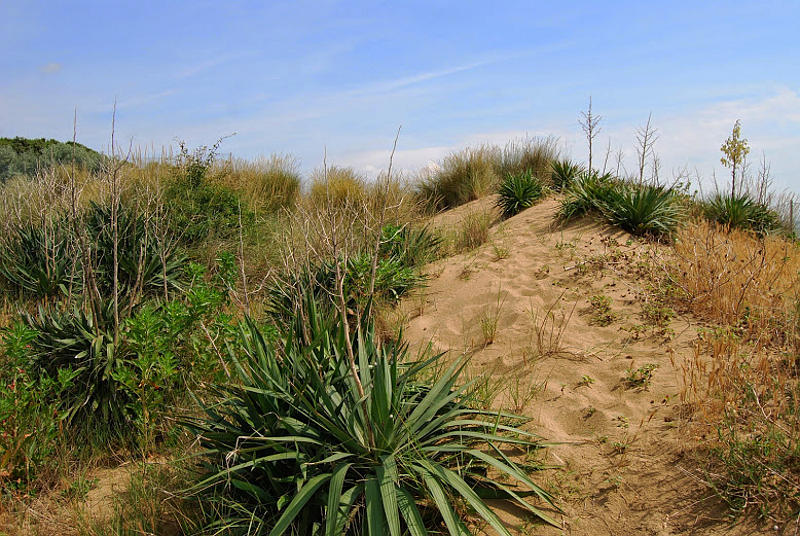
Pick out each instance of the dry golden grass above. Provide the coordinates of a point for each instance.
(741, 383)
(738, 278)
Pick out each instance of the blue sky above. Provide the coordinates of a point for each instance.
(295, 77)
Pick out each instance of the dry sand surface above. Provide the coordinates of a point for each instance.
(626, 463)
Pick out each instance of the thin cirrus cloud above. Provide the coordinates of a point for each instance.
(50, 68)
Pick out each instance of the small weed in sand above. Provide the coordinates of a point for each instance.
(639, 378)
(657, 315)
(473, 232)
(489, 319)
(600, 310)
(547, 330)
(586, 381)
(522, 393)
(500, 251)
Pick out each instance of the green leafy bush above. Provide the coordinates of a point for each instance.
(518, 192)
(29, 413)
(24, 156)
(740, 212)
(564, 173)
(292, 446)
(37, 260)
(200, 207)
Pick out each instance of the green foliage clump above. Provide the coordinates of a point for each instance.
(518, 192)
(740, 212)
(564, 173)
(29, 412)
(199, 207)
(412, 247)
(295, 446)
(644, 209)
(122, 375)
(641, 209)
(147, 264)
(37, 260)
(24, 156)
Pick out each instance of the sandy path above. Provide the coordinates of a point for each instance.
(623, 457)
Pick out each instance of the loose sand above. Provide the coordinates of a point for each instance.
(626, 463)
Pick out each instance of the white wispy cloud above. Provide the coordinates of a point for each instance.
(49, 68)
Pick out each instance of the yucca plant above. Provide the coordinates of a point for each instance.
(36, 260)
(563, 173)
(643, 209)
(587, 193)
(293, 447)
(82, 342)
(144, 260)
(740, 212)
(518, 192)
(411, 246)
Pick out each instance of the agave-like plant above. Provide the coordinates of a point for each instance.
(741, 212)
(83, 342)
(587, 193)
(518, 192)
(411, 246)
(36, 260)
(563, 173)
(643, 209)
(294, 446)
(146, 264)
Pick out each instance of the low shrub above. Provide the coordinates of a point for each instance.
(198, 206)
(518, 192)
(295, 446)
(740, 212)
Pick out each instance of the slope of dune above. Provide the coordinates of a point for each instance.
(605, 390)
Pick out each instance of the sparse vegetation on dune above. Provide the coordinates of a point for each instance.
(219, 316)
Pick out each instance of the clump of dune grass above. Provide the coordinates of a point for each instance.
(267, 184)
(475, 172)
(462, 177)
(337, 186)
(533, 156)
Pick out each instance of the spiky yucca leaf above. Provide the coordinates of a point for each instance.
(292, 448)
(518, 192)
(36, 260)
(643, 209)
(741, 212)
(563, 173)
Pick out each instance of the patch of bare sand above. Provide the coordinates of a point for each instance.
(622, 452)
